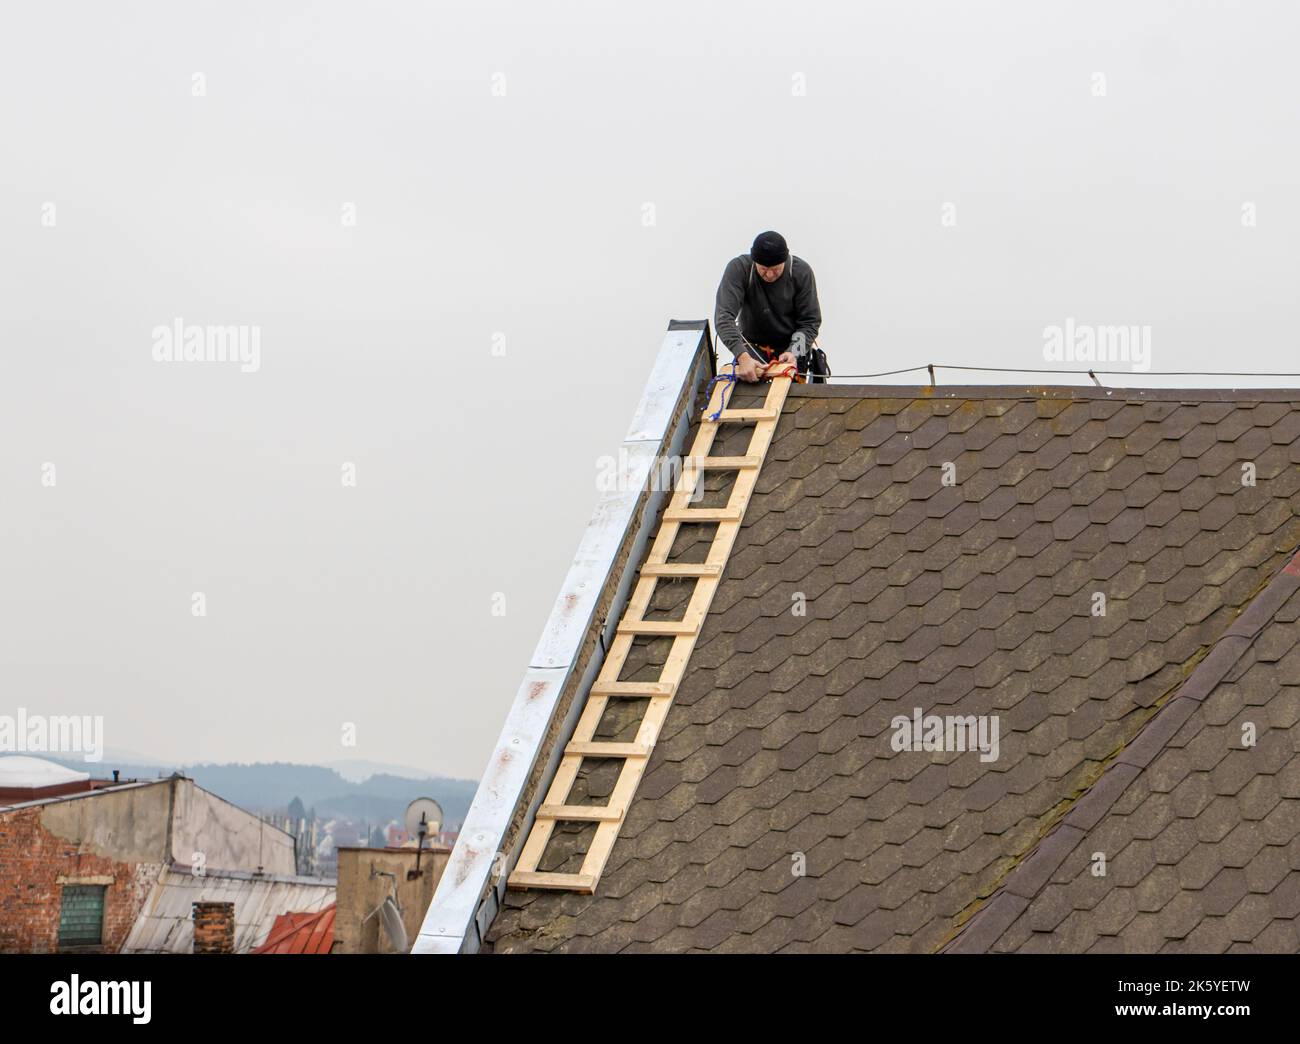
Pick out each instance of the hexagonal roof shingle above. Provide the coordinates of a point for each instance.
(775, 815)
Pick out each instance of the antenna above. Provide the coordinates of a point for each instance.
(423, 817)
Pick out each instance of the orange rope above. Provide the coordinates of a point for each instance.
(781, 369)
(776, 368)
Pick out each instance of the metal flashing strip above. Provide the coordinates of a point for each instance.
(474, 878)
(186, 870)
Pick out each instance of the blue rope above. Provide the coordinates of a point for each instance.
(730, 378)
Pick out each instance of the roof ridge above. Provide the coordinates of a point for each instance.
(1132, 393)
(1031, 874)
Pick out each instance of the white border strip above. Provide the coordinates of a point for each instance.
(450, 922)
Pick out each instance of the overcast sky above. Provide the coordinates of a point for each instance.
(388, 190)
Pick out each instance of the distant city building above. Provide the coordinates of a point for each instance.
(311, 857)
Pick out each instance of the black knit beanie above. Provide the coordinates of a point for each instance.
(769, 249)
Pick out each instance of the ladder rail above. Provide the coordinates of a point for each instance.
(635, 756)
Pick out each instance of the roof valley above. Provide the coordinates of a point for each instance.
(1032, 871)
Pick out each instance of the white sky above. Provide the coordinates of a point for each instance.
(523, 215)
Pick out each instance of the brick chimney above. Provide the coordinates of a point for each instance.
(214, 927)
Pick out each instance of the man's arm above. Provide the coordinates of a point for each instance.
(807, 311)
(726, 311)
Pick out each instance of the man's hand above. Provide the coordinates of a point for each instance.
(788, 357)
(747, 368)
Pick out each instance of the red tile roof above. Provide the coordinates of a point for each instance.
(301, 933)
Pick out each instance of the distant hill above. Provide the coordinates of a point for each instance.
(269, 787)
(358, 771)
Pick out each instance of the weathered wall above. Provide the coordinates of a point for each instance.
(359, 893)
(129, 824)
(35, 861)
(228, 837)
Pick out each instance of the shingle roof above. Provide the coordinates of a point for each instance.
(1198, 820)
(974, 598)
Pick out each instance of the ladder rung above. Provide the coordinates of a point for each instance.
(721, 463)
(759, 414)
(633, 689)
(585, 883)
(657, 627)
(722, 514)
(581, 813)
(659, 693)
(680, 569)
(605, 749)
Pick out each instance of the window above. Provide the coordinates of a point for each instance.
(81, 916)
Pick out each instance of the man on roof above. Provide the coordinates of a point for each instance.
(767, 308)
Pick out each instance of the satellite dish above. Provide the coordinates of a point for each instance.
(423, 819)
(390, 916)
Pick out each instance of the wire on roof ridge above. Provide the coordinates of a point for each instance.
(1080, 373)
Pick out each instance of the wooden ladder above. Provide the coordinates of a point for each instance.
(636, 755)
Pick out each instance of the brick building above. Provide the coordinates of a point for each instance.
(80, 858)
